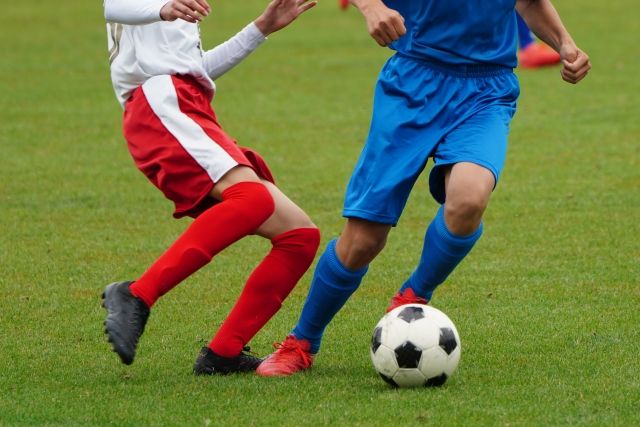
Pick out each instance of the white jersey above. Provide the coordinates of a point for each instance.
(142, 46)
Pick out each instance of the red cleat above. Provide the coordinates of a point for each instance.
(406, 297)
(344, 4)
(291, 356)
(537, 55)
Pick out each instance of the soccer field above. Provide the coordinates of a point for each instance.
(547, 304)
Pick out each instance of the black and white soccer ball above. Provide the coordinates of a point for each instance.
(415, 345)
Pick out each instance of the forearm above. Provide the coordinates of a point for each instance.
(130, 12)
(363, 5)
(227, 55)
(544, 21)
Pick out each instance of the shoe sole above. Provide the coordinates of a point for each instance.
(276, 373)
(279, 374)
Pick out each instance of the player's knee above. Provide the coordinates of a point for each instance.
(469, 205)
(309, 241)
(463, 214)
(264, 202)
(252, 200)
(361, 249)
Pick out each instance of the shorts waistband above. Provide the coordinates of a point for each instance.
(460, 70)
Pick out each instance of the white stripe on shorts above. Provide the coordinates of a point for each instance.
(163, 99)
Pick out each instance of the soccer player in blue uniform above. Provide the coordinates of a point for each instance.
(448, 93)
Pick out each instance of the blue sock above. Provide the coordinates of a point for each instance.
(331, 287)
(441, 253)
(525, 37)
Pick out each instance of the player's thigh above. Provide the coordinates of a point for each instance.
(234, 176)
(253, 169)
(387, 169)
(481, 141)
(287, 215)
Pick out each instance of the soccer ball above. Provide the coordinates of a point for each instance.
(415, 345)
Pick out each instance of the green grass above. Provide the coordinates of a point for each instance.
(546, 305)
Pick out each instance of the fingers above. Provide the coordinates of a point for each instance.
(280, 13)
(206, 9)
(304, 5)
(301, 5)
(398, 25)
(576, 70)
(298, 6)
(578, 62)
(388, 32)
(386, 26)
(188, 10)
(575, 76)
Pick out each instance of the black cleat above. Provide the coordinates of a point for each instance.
(209, 363)
(126, 317)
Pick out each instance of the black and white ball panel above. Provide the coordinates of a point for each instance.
(376, 338)
(394, 332)
(434, 362)
(384, 359)
(447, 340)
(408, 355)
(410, 313)
(409, 378)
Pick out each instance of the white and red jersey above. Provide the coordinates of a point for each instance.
(142, 45)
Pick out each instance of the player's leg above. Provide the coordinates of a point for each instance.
(468, 164)
(468, 187)
(338, 274)
(176, 141)
(295, 241)
(244, 205)
(452, 233)
(392, 158)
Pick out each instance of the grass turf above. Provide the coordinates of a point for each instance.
(546, 305)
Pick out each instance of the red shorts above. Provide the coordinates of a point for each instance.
(176, 141)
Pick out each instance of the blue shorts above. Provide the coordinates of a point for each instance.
(427, 110)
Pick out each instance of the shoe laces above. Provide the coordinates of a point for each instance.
(290, 347)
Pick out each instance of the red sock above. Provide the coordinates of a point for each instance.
(244, 207)
(268, 285)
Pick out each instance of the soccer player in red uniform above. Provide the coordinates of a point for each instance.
(164, 81)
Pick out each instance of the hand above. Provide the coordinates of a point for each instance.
(188, 10)
(575, 63)
(280, 13)
(385, 25)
